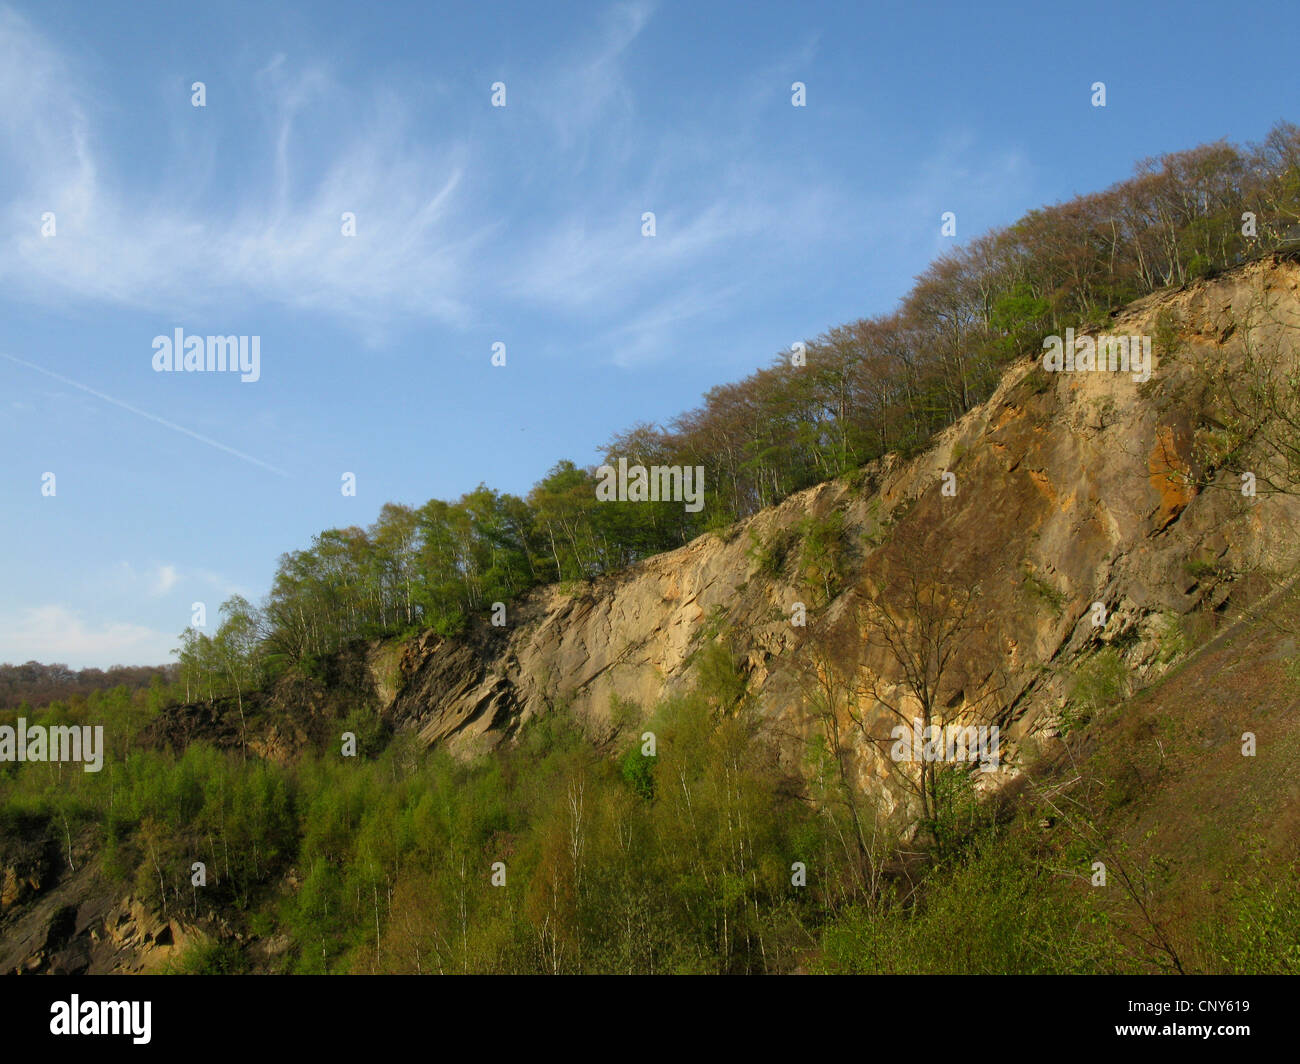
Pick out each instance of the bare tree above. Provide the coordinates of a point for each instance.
(826, 675)
(1074, 802)
(928, 634)
(1255, 399)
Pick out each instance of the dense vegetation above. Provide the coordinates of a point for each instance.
(868, 387)
(684, 861)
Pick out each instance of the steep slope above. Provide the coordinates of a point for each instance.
(1065, 492)
(1070, 489)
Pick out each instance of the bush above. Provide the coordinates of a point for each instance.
(719, 675)
(638, 772)
(209, 957)
(1173, 640)
(998, 911)
(1101, 683)
(1168, 338)
(1259, 933)
(822, 553)
(370, 729)
(1043, 591)
(772, 554)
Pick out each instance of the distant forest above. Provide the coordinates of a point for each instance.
(38, 685)
(861, 390)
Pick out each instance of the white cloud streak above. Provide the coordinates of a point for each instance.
(283, 243)
(57, 633)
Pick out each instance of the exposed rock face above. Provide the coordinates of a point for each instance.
(140, 939)
(276, 724)
(1071, 489)
(82, 924)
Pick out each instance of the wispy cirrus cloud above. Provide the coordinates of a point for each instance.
(586, 91)
(159, 579)
(440, 237)
(578, 263)
(161, 249)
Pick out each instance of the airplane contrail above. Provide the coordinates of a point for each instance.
(145, 414)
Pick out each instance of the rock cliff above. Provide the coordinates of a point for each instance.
(1067, 490)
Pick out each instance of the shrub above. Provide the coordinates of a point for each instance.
(638, 772)
(209, 957)
(1043, 591)
(822, 552)
(1101, 683)
(771, 554)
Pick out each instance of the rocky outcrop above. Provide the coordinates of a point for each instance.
(1067, 490)
(78, 922)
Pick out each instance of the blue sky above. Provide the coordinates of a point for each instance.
(477, 224)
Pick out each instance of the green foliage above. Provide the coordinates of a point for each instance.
(957, 810)
(821, 555)
(1200, 266)
(1174, 639)
(719, 675)
(623, 713)
(676, 863)
(725, 528)
(1167, 340)
(1018, 318)
(772, 553)
(370, 729)
(1043, 591)
(638, 772)
(1101, 683)
(993, 912)
(1258, 931)
(209, 957)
